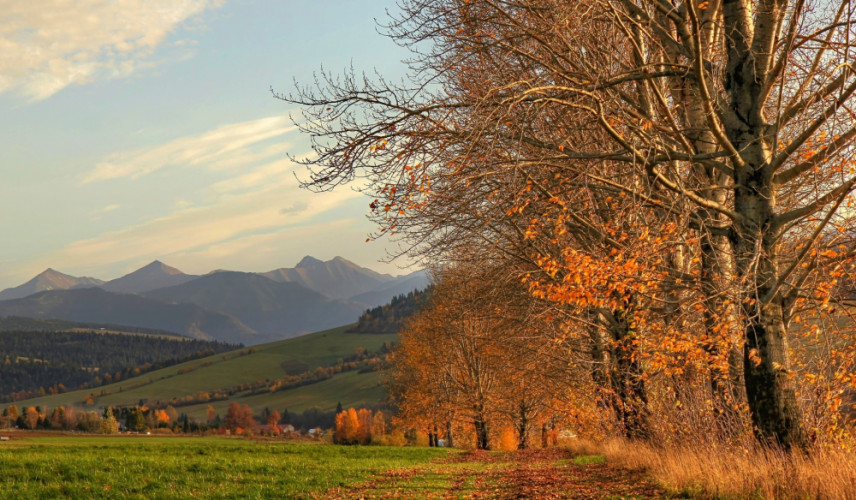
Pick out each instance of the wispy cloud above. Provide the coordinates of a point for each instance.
(225, 147)
(108, 208)
(245, 192)
(244, 205)
(48, 45)
(295, 208)
(190, 229)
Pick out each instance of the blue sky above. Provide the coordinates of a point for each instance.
(135, 130)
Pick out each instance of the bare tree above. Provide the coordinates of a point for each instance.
(731, 119)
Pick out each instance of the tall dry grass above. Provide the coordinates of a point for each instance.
(705, 471)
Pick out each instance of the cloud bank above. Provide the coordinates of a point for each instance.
(48, 45)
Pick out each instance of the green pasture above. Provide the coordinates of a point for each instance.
(159, 467)
(352, 389)
(266, 361)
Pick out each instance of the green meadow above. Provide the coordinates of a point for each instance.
(186, 467)
(260, 362)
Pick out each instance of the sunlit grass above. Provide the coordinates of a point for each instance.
(140, 467)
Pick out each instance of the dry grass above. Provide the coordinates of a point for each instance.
(733, 472)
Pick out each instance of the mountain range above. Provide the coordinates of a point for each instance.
(222, 305)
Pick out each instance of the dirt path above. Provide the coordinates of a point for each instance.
(541, 474)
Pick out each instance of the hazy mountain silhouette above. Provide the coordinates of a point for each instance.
(93, 305)
(337, 278)
(153, 276)
(273, 309)
(401, 285)
(223, 305)
(49, 279)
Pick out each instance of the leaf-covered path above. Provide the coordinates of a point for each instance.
(523, 474)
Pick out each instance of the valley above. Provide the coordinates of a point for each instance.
(262, 358)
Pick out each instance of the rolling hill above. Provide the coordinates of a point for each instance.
(266, 361)
(32, 362)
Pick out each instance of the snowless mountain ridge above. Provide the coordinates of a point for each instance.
(221, 305)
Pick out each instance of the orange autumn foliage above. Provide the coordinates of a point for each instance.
(347, 428)
(162, 417)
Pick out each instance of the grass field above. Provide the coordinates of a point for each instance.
(267, 361)
(65, 466)
(157, 467)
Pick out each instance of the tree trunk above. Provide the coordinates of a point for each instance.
(523, 427)
(599, 371)
(770, 386)
(717, 262)
(481, 433)
(628, 382)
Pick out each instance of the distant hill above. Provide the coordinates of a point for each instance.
(36, 362)
(275, 309)
(390, 318)
(21, 323)
(244, 366)
(153, 276)
(93, 305)
(401, 285)
(48, 280)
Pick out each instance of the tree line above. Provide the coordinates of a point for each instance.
(389, 318)
(640, 213)
(35, 363)
(239, 419)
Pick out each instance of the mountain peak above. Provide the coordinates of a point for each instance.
(309, 261)
(49, 279)
(149, 277)
(64, 280)
(157, 265)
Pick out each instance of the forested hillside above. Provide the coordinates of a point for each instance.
(389, 318)
(37, 363)
(319, 370)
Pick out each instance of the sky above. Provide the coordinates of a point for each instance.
(141, 130)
